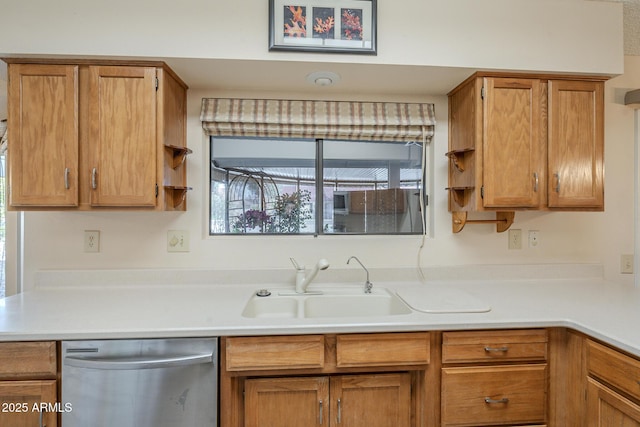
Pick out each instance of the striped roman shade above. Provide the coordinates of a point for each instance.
(367, 121)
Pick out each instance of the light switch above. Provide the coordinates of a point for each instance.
(178, 241)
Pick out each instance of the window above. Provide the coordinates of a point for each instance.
(317, 167)
(321, 186)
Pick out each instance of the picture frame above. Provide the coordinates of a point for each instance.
(332, 26)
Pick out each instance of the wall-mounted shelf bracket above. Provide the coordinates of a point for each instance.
(458, 157)
(503, 221)
(179, 154)
(460, 194)
(177, 194)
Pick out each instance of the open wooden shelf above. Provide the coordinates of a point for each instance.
(458, 157)
(176, 194)
(179, 154)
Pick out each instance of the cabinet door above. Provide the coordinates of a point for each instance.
(122, 143)
(43, 130)
(21, 403)
(609, 409)
(513, 151)
(371, 400)
(576, 144)
(287, 402)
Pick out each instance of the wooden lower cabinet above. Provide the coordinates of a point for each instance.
(28, 385)
(495, 395)
(25, 403)
(492, 378)
(606, 408)
(367, 400)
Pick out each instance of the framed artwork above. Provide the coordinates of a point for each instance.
(335, 26)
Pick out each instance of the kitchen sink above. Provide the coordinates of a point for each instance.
(274, 307)
(338, 302)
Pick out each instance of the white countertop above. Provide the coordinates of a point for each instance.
(604, 310)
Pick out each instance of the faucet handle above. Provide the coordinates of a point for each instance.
(295, 264)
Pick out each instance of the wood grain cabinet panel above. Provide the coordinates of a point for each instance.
(287, 402)
(512, 144)
(28, 380)
(122, 147)
(96, 135)
(21, 402)
(494, 346)
(373, 400)
(376, 400)
(269, 353)
(43, 127)
(526, 141)
(576, 144)
(607, 408)
(392, 349)
(28, 360)
(614, 368)
(496, 395)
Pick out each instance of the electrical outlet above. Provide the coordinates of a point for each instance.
(178, 241)
(534, 238)
(626, 264)
(515, 239)
(91, 240)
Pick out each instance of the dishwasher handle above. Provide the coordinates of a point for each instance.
(129, 363)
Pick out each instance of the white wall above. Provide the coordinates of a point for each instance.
(138, 239)
(461, 33)
(572, 36)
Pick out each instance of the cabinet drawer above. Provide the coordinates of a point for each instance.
(473, 396)
(499, 346)
(267, 353)
(615, 368)
(395, 349)
(27, 360)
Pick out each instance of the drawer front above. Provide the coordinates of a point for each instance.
(617, 369)
(268, 353)
(498, 346)
(476, 396)
(395, 349)
(28, 360)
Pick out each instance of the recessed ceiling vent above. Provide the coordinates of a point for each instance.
(632, 98)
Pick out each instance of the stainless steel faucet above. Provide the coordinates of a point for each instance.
(367, 285)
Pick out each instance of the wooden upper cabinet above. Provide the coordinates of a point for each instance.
(513, 149)
(524, 141)
(96, 135)
(576, 144)
(43, 131)
(122, 141)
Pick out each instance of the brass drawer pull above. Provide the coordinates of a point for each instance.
(491, 401)
(496, 349)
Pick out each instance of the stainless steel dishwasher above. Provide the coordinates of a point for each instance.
(140, 383)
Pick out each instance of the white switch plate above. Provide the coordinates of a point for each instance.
(534, 238)
(178, 241)
(626, 264)
(91, 240)
(515, 239)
